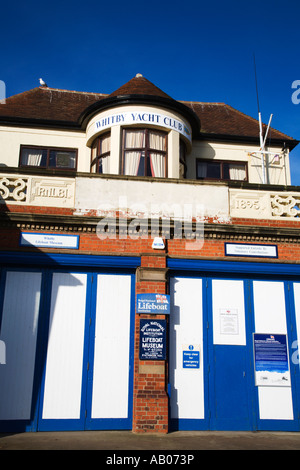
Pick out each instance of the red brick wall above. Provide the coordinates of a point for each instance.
(90, 243)
(150, 399)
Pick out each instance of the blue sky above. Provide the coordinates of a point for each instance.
(192, 50)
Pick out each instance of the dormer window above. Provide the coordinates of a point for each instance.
(101, 154)
(144, 153)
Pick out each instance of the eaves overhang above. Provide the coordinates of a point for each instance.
(274, 142)
(138, 99)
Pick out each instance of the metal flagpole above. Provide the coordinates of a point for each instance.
(262, 150)
(262, 140)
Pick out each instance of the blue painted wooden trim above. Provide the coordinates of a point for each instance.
(234, 267)
(54, 259)
(109, 424)
(60, 425)
(112, 424)
(278, 425)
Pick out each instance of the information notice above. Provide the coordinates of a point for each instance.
(271, 360)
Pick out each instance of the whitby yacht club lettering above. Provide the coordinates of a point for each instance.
(146, 118)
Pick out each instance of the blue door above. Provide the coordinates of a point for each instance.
(87, 382)
(69, 342)
(218, 316)
(230, 377)
(229, 391)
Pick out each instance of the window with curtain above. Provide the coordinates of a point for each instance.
(101, 154)
(144, 152)
(182, 160)
(44, 157)
(221, 170)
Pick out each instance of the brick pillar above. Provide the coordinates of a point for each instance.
(150, 398)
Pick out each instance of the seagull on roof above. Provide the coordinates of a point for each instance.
(42, 83)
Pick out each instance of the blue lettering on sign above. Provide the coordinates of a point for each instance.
(108, 121)
(145, 117)
(141, 117)
(153, 303)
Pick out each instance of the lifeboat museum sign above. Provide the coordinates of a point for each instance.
(144, 117)
(152, 340)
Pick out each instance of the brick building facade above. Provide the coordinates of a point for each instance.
(88, 182)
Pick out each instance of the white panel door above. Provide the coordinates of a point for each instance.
(270, 317)
(63, 380)
(228, 312)
(296, 286)
(19, 333)
(111, 353)
(186, 331)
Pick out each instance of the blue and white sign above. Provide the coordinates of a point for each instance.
(191, 358)
(153, 340)
(271, 360)
(144, 116)
(47, 240)
(153, 303)
(251, 250)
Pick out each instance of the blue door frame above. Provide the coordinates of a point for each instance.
(230, 391)
(91, 265)
(244, 363)
(113, 423)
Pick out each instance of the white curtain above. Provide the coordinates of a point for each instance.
(157, 141)
(202, 170)
(94, 155)
(237, 172)
(157, 165)
(105, 145)
(32, 157)
(135, 139)
(132, 162)
(105, 164)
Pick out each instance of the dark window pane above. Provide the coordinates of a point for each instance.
(60, 159)
(213, 170)
(226, 171)
(141, 169)
(209, 170)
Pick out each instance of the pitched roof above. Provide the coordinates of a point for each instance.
(139, 85)
(63, 108)
(222, 119)
(48, 104)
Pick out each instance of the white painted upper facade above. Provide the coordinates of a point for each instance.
(276, 162)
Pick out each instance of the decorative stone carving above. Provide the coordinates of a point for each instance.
(249, 204)
(264, 204)
(285, 205)
(57, 192)
(37, 191)
(13, 189)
